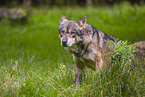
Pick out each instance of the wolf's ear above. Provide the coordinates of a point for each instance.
(82, 21)
(63, 19)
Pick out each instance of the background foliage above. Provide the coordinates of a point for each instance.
(51, 3)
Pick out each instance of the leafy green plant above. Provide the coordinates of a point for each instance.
(122, 52)
(120, 71)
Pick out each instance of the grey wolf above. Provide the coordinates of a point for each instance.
(86, 44)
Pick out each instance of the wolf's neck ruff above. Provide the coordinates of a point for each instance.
(77, 49)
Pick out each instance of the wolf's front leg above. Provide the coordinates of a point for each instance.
(78, 73)
(79, 66)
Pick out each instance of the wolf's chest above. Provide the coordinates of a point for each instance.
(88, 60)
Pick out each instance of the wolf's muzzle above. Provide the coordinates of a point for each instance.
(64, 42)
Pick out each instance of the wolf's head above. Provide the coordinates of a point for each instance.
(70, 31)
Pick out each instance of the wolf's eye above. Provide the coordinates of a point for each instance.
(73, 34)
(60, 34)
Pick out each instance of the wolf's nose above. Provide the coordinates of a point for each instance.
(64, 40)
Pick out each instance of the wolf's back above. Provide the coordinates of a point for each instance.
(107, 37)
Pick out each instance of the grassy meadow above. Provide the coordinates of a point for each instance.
(33, 63)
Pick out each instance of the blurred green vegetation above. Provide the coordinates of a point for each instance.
(31, 55)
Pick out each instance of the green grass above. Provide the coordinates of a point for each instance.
(33, 64)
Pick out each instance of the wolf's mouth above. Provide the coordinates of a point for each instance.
(65, 45)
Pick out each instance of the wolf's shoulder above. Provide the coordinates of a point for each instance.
(100, 33)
